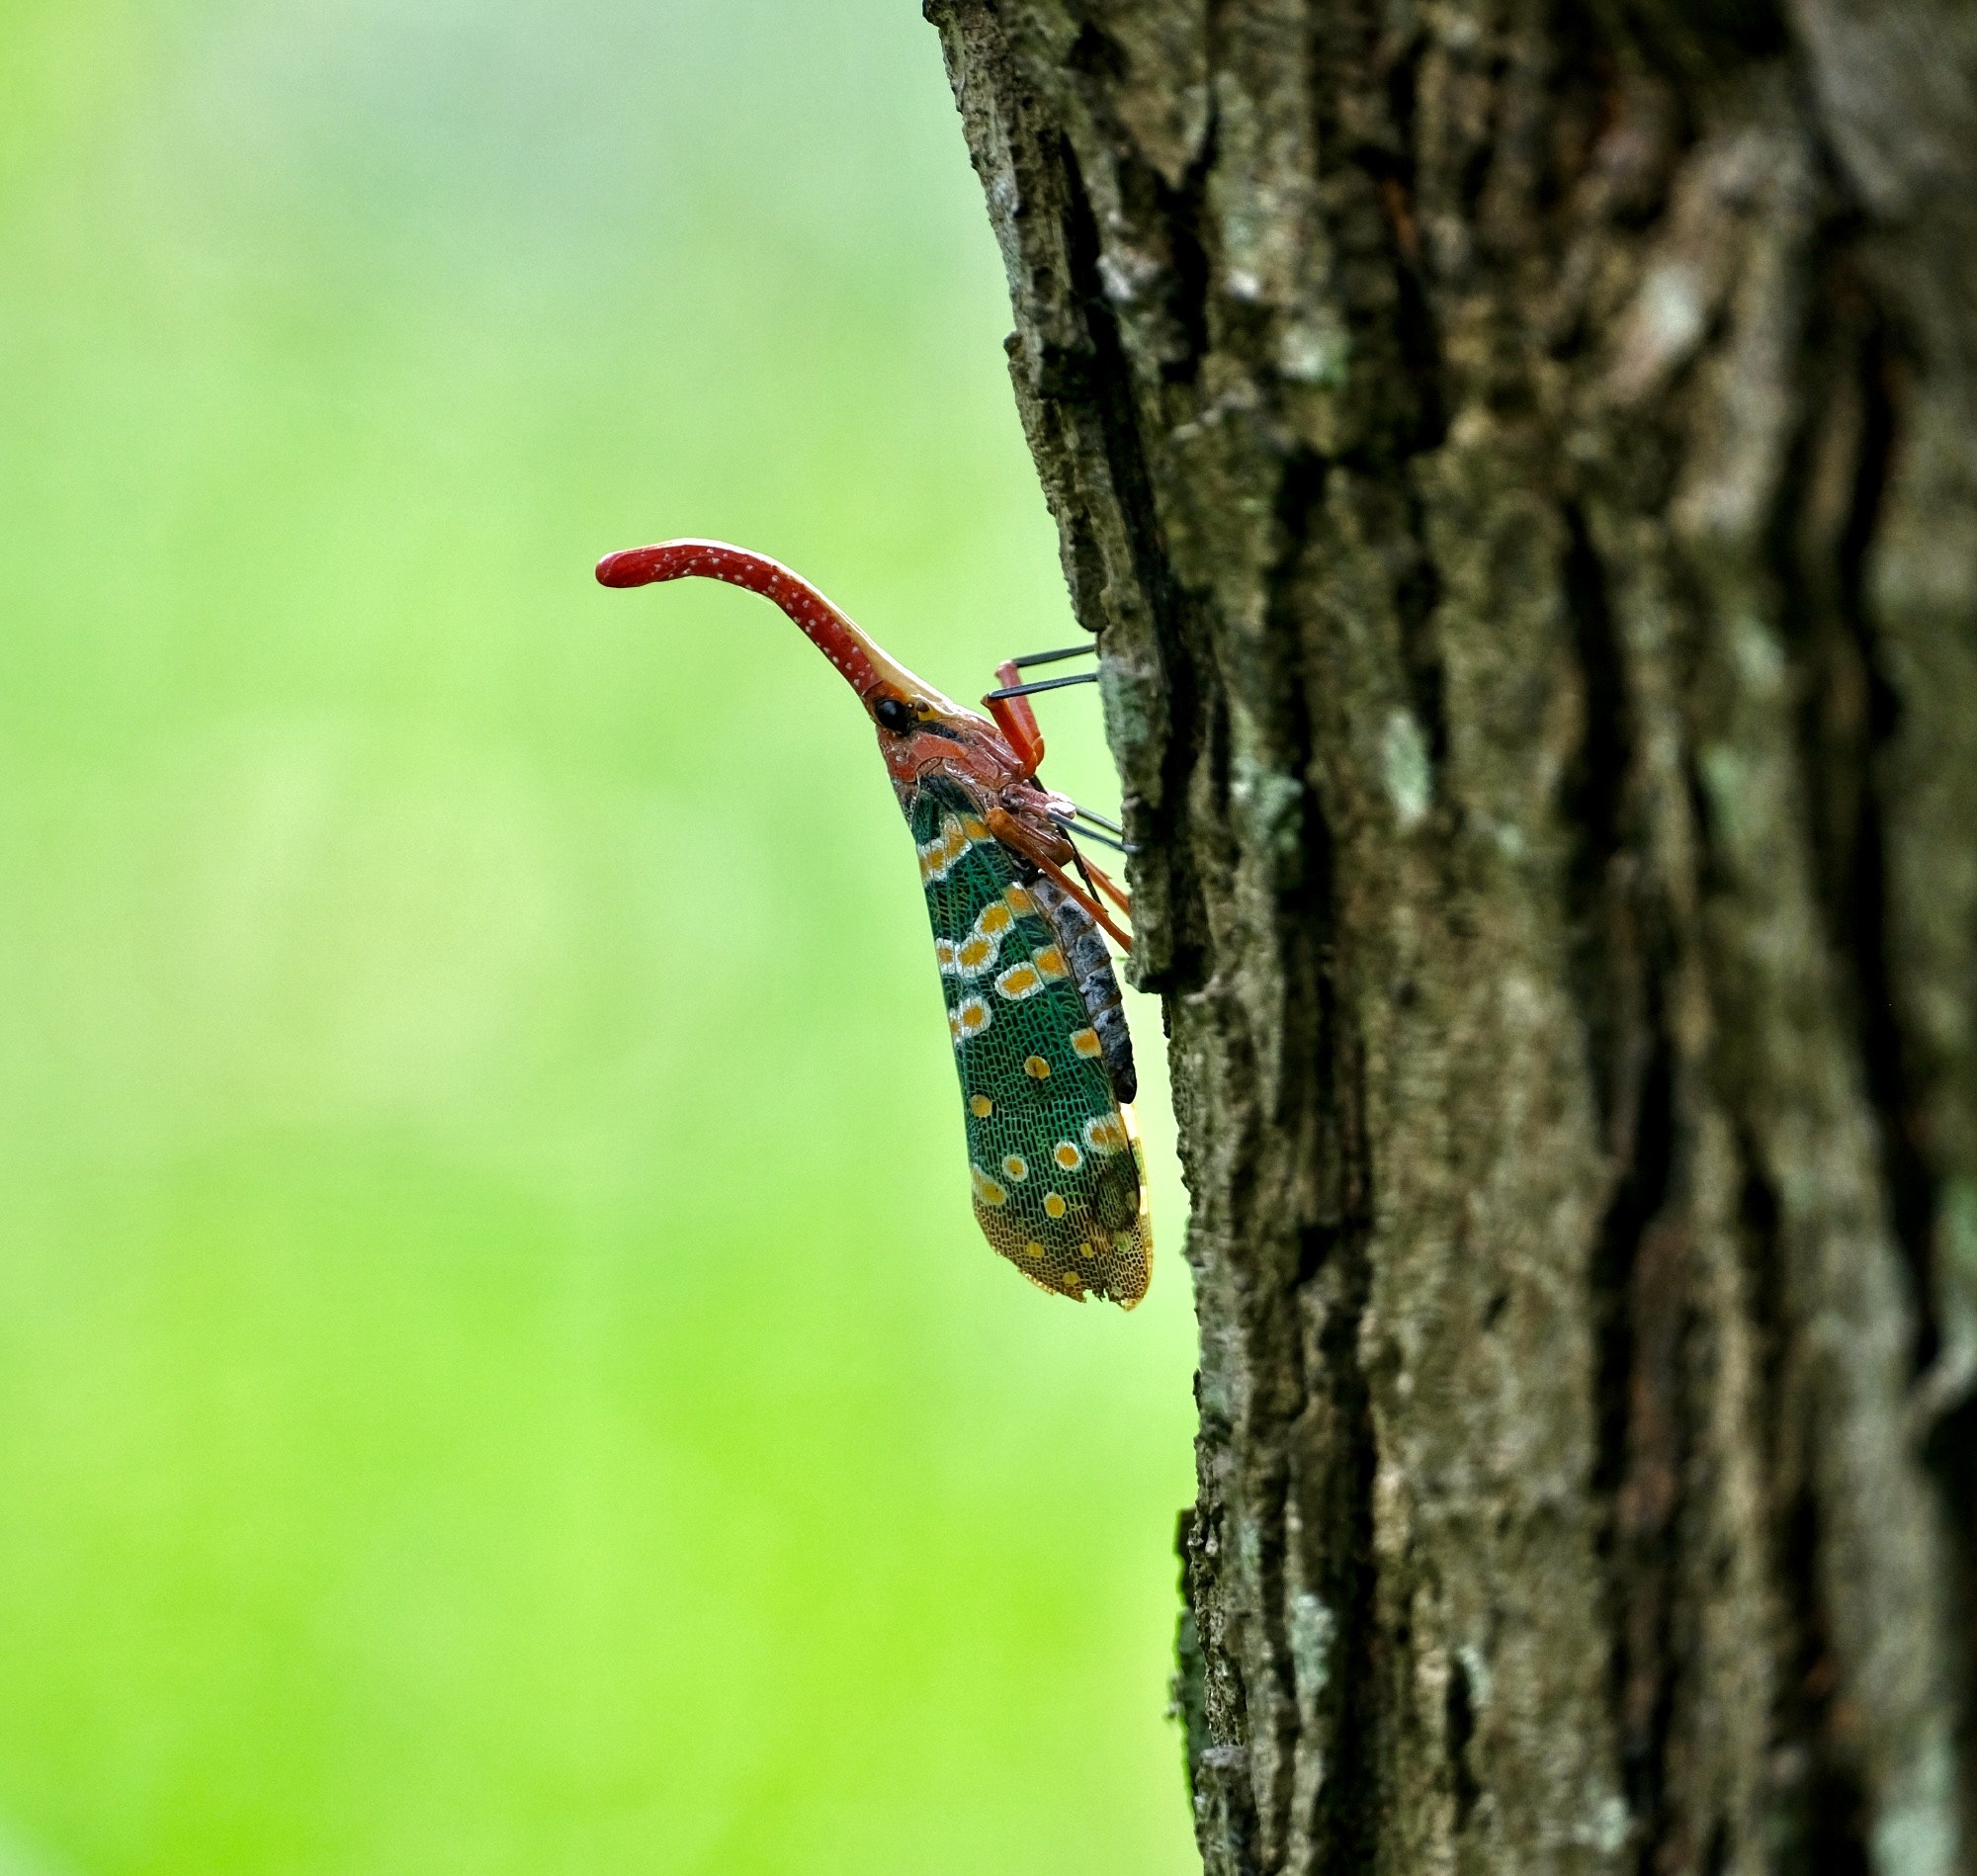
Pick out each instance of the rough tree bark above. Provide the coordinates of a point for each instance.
(1521, 461)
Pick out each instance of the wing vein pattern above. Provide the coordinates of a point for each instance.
(1059, 1184)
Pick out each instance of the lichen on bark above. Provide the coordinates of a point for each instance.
(1520, 463)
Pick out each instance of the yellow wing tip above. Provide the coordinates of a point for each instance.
(1124, 1273)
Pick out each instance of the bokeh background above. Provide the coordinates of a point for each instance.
(496, 1370)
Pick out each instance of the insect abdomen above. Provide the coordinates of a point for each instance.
(1084, 945)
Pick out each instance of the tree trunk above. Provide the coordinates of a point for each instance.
(1521, 462)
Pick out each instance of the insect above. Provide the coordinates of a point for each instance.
(1019, 916)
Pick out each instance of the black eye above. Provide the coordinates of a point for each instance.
(892, 715)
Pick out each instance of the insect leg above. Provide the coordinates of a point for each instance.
(1070, 826)
(1010, 703)
(1056, 875)
(1042, 683)
(1013, 716)
(1101, 883)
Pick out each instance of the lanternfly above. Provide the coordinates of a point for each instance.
(1033, 1008)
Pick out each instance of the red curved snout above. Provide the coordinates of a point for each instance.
(820, 621)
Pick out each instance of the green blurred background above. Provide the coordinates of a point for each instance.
(496, 1370)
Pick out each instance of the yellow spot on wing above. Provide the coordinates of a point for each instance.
(1036, 1067)
(970, 1019)
(981, 1106)
(1018, 982)
(986, 1191)
(1085, 1042)
(1066, 1155)
(1105, 1133)
(1019, 901)
(1016, 1166)
(996, 919)
(1054, 1203)
(1049, 961)
(1034, 1248)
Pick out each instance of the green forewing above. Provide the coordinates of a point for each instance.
(1055, 1172)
